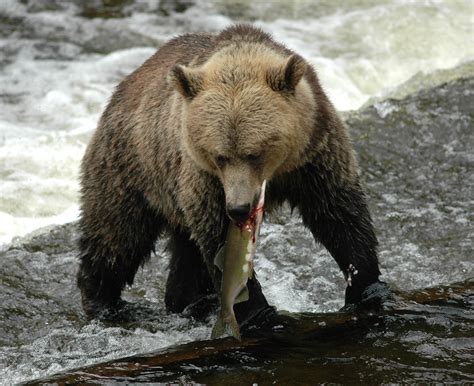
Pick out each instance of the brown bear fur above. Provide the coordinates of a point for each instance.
(195, 130)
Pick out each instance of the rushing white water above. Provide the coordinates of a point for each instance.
(57, 70)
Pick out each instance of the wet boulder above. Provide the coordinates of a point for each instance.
(417, 160)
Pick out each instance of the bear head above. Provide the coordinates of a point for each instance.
(248, 115)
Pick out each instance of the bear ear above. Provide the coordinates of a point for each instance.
(187, 81)
(287, 76)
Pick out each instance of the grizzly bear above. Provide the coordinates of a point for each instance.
(182, 149)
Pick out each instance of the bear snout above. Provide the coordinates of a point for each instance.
(239, 213)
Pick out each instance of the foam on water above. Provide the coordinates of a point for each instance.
(74, 347)
(53, 88)
(44, 136)
(366, 51)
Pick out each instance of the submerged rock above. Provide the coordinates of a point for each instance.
(417, 161)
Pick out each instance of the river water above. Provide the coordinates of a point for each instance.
(57, 70)
(58, 67)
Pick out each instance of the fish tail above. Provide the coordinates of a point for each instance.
(226, 326)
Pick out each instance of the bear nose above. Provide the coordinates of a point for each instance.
(239, 213)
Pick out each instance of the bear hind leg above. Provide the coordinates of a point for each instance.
(189, 280)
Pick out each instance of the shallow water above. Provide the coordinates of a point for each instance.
(420, 336)
(416, 156)
(58, 68)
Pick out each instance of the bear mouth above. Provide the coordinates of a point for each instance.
(242, 215)
(239, 214)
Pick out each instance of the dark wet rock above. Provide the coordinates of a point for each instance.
(36, 276)
(34, 6)
(413, 341)
(9, 24)
(52, 240)
(55, 32)
(105, 8)
(167, 7)
(246, 11)
(416, 157)
(238, 10)
(96, 35)
(106, 40)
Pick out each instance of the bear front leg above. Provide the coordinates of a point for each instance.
(338, 218)
(117, 236)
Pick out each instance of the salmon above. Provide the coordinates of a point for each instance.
(235, 260)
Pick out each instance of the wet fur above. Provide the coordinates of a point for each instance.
(143, 178)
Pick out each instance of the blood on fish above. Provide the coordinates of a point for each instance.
(250, 225)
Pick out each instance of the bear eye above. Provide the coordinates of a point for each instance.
(254, 157)
(221, 160)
